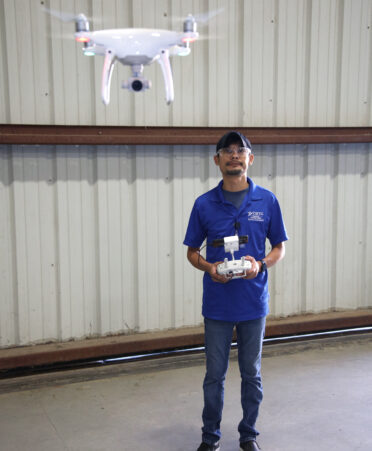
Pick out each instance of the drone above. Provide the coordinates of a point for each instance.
(134, 47)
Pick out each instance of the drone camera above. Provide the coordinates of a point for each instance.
(136, 84)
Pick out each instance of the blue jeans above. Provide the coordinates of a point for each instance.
(218, 336)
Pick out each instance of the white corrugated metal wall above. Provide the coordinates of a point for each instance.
(267, 63)
(91, 238)
(76, 223)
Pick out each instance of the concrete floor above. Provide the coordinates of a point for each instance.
(317, 396)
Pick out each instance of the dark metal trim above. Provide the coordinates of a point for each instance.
(178, 338)
(96, 135)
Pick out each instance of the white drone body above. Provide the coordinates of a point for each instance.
(136, 47)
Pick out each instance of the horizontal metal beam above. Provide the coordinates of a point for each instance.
(95, 135)
(38, 355)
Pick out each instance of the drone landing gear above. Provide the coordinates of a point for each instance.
(137, 82)
(167, 74)
(108, 67)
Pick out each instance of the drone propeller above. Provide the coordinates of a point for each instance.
(201, 18)
(204, 18)
(81, 21)
(65, 17)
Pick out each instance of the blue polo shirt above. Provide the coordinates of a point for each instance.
(213, 217)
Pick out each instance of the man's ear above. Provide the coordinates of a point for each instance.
(251, 159)
(217, 160)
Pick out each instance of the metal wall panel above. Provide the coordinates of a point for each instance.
(91, 237)
(266, 63)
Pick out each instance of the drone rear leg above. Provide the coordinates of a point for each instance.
(108, 66)
(167, 74)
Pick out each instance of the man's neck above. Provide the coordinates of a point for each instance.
(235, 183)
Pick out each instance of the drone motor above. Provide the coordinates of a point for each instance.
(81, 23)
(189, 25)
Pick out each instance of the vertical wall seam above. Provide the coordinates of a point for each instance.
(18, 72)
(335, 229)
(107, 216)
(136, 237)
(98, 297)
(341, 14)
(42, 266)
(69, 203)
(369, 77)
(172, 239)
(276, 65)
(305, 193)
(57, 263)
(51, 96)
(4, 51)
(308, 15)
(364, 237)
(240, 52)
(80, 152)
(92, 79)
(26, 249)
(12, 221)
(33, 66)
(122, 233)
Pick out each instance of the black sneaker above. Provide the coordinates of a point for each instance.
(205, 447)
(252, 445)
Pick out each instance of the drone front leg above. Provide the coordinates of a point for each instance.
(108, 66)
(167, 74)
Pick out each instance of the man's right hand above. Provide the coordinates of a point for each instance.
(220, 278)
(194, 257)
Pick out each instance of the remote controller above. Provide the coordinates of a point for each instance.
(234, 269)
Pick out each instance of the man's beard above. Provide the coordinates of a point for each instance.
(234, 171)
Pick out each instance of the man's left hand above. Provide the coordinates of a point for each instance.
(255, 268)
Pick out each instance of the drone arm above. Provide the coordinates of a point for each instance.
(179, 50)
(167, 74)
(108, 66)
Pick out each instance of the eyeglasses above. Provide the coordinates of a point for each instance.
(240, 151)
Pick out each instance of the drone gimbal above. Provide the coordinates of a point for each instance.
(137, 82)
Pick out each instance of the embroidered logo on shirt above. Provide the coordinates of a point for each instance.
(257, 216)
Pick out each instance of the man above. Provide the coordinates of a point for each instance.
(235, 207)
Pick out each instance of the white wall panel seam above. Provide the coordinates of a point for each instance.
(12, 62)
(364, 231)
(334, 228)
(4, 90)
(33, 58)
(368, 246)
(57, 280)
(14, 244)
(369, 79)
(15, 274)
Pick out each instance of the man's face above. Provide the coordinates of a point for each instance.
(234, 161)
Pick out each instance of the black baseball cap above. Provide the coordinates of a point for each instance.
(233, 137)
